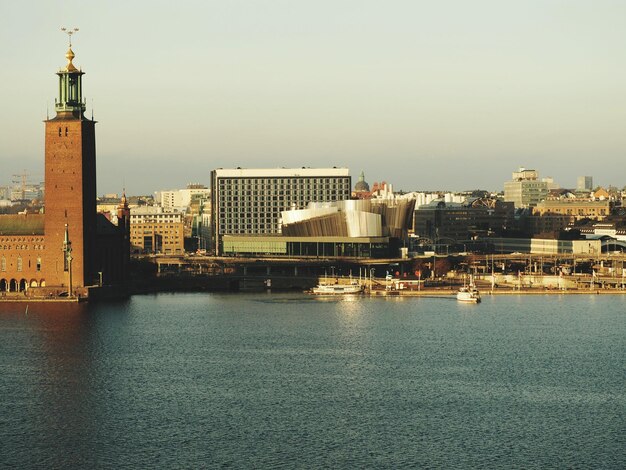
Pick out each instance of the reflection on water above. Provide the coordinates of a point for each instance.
(196, 380)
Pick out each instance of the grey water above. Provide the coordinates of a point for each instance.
(291, 381)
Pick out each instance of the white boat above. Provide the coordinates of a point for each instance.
(337, 289)
(469, 293)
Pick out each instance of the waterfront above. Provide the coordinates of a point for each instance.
(287, 380)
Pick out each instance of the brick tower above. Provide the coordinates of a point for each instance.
(70, 172)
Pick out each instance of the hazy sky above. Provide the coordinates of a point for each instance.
(429, 94)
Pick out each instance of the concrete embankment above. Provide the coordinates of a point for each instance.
(484, 293)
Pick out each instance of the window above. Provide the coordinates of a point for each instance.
(3, 264)
(19, 263)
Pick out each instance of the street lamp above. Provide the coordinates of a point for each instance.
(67, 248)
(69, 261)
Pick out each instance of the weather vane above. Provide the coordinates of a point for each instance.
(69, 33)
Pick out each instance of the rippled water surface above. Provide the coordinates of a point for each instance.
(286, 380)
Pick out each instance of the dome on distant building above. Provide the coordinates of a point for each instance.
(361, 185)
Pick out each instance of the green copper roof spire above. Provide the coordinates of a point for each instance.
(70, 101)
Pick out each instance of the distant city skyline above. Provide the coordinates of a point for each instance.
(449, 95)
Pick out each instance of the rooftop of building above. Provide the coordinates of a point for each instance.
(153, 210)
(362, 185)
(308, 239)
(104, 226)
(22, 224)
(280, 172)
(574, 201)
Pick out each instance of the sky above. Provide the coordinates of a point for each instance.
(447, 94)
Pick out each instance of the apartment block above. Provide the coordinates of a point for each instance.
(155, 230)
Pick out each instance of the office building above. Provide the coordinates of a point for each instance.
(525, 190)
(250, 201)
(156, 230)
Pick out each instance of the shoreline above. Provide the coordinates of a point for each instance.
(440, 293)
(451, 293)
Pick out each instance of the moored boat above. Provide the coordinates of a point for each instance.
(337, 289)
(468, 294)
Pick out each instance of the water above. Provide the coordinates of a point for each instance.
(290, 381)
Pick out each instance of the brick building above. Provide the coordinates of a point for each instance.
(70, 247)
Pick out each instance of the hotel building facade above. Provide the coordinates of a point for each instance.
(250, 201)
